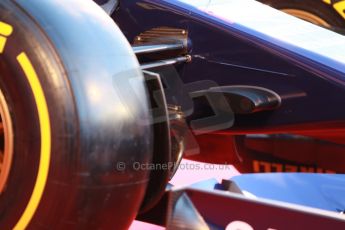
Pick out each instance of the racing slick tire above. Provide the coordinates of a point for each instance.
(74, 118)
(314, 11)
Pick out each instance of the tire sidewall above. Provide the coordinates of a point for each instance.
(27, 38)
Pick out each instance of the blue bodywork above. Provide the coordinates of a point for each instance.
(265, 201)
(322, 191)
(312, 190)
(247, 51)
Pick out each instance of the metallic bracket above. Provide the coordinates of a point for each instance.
(166, 62)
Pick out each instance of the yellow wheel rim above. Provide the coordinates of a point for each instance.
(307, 17)
(6, 139)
